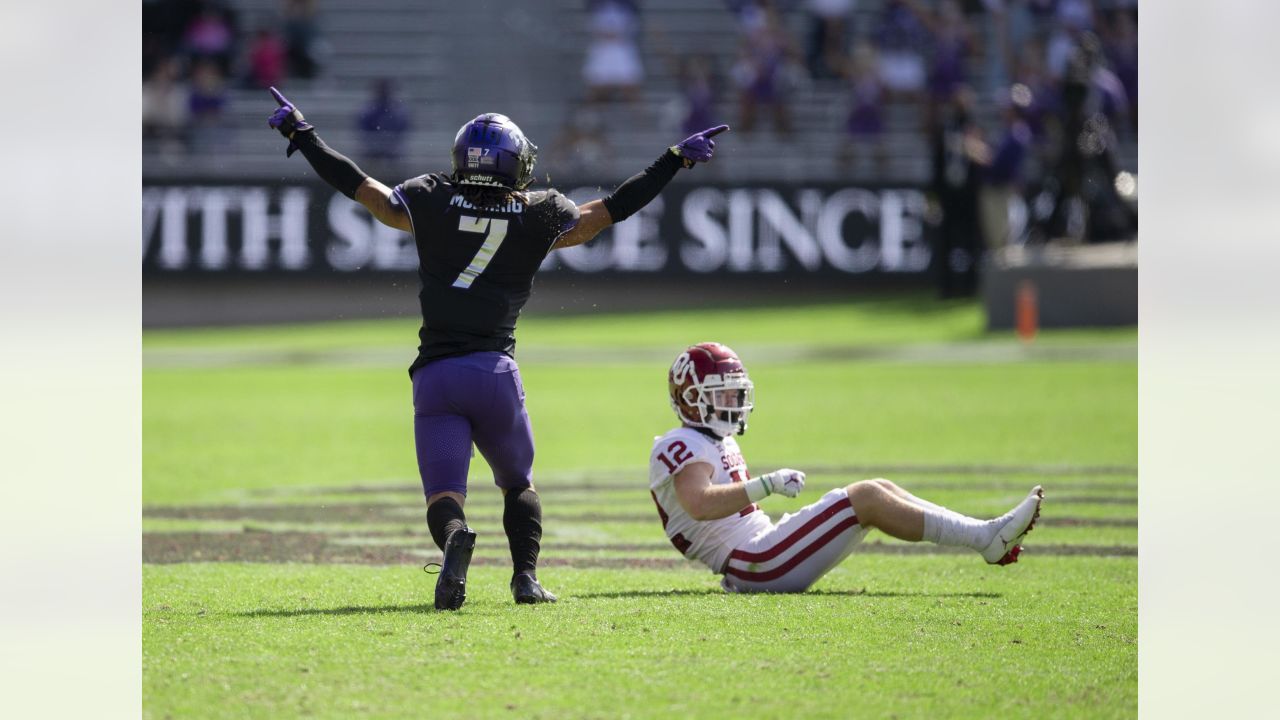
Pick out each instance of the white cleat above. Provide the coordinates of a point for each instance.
(1004, 547)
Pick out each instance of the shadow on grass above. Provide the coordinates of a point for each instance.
(892, 594)
(825, 592)
(696, 592)
(346, 610)
(620, 594)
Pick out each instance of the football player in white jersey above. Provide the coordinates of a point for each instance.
(707, 499)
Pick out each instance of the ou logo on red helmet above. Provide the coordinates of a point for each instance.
(681, 368)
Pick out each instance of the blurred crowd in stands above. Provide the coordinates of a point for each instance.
(1014, 97)
(1011, 96)
(922, 51)
(194, 50)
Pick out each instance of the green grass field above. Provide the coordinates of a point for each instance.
(284, 533)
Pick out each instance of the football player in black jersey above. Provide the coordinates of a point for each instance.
(481, 235)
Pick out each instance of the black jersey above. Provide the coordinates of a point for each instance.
(477, 265)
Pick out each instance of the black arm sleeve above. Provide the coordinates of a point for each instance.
(640, 190)
(333, 167)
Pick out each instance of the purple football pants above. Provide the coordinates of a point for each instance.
(471, 398)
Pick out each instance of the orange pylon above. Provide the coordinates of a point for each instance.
(1027, 311)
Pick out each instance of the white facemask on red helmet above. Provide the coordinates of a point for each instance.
(710, 389)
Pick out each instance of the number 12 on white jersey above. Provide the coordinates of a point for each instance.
(496, 228)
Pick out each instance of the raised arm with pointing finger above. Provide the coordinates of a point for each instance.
(333, 167)
(347, 178)
(640, 190)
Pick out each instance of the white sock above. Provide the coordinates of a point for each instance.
(944, 527)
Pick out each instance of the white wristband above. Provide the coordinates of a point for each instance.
(756, 489)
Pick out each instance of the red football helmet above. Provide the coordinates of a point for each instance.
(710, 389)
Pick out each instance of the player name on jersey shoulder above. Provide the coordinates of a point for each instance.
(511, 206)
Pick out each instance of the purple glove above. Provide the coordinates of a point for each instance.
(288, 120)
(698, 147)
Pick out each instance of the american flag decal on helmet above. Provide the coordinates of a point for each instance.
(477, 156)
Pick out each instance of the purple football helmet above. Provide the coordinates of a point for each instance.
(492, 151)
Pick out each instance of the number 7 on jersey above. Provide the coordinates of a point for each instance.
(496, 230)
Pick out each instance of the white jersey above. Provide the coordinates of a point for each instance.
(709, 541)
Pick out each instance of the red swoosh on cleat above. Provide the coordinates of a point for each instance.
(1011, 556)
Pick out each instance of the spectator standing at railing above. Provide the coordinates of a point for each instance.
(1041, 115)
(1016, 26)
(208, 102)
(901, 38)
(865, 124)
(826, 51)
(165, 108)
(612, 68)
(990, 20)
(1104, 93)
(1086, 206)
(952, 43)
(383, 123)
(306, 46)
(1108, 94)
(760, 72)
(1121, 44)
(1002, 177)
(959, 155)
(582, 150)
(697, 91)
(267, 59)
(211, 36)
(1071, 20)
(942, 35)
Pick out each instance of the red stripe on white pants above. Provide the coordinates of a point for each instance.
(813, 524)
(796, 559)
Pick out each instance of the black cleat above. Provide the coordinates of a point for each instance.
(451, 587)
(528, 591)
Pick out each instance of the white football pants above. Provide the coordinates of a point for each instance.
(799, 549)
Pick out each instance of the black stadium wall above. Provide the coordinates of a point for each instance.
(255, 252)
(250, 252)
